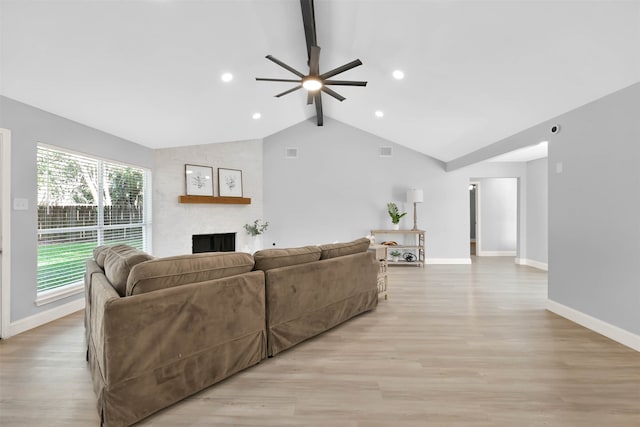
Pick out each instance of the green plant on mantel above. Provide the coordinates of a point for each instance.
(395, 215)
(256, 228)
(395, 253)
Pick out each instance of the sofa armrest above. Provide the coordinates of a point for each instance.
(101, 294)
(91, 268)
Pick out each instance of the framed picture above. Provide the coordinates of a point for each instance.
(229, 182)
(199, 180)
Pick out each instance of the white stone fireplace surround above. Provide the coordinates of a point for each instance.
(174, 223)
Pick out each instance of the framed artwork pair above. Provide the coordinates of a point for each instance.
(199, 181)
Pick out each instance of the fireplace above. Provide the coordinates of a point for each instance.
(218, 242)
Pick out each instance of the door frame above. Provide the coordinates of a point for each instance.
(5, 207)
(477, 209)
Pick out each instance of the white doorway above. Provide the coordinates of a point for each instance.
(473, 217)
(497, 216)
(5, 236)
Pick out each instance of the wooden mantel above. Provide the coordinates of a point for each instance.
(213, 199)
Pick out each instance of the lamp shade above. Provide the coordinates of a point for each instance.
(415, 195)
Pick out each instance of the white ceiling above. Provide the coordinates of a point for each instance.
(476, 71)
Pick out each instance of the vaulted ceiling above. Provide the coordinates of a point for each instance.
(475, 71)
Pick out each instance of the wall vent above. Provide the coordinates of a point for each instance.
(290, 153)
(386, 152)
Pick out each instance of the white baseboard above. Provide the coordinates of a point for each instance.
(447, 261)
(47, 316)
(615, 333)
(496, 253)
(533, 263)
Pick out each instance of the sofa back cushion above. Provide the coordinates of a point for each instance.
(161, 273)
(275, 258)
(334, 250)
(118, 262)
(99, 254)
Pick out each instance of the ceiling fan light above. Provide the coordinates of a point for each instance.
(312, 84)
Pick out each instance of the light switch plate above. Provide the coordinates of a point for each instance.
(20, 204)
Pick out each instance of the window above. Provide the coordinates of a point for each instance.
(84, 202)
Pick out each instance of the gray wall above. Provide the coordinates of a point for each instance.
(594, 233)
(498, 216)
(338, 188)
(29, 126)
(538, 211)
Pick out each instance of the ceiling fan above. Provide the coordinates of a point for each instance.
(314, 82)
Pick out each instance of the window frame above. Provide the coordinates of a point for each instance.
(50, 295)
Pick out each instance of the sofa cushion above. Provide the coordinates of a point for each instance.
(274, 258)
(161, 273)
(99, 254)
(118, 263)
(334, 250)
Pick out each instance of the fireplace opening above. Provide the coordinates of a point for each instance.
(218, 242)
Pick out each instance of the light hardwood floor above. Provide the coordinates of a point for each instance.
(452, 346)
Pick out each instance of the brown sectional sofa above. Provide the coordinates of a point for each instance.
(307, 298)
(161, 329)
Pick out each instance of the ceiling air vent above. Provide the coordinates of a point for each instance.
(386, 152)
(290, 153)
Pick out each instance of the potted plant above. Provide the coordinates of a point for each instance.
(395, 256)
(395, 215)
(255, 230)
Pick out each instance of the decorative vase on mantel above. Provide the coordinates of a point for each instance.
(255, 243)
(255, 230)
(395, 227)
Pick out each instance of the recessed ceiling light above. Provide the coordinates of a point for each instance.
(398, 74)
(227, 77)
(256, 116)
(379, 113)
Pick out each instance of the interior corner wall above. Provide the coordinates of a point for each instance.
(29, 126)
(538, 212)
(174, 223)
(594, 232)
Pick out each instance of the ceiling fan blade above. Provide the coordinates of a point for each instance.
(314, 61)
(341, 69)
(293, 89)
(285, 66)
(309, 97)
(318, 101)
(332, 93)
(262, 79)
(309, 22)
(344, 83)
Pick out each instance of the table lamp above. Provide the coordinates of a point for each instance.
(414, 196)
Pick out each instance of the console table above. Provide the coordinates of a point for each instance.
(413, 241)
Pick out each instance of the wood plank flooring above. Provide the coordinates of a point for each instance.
(452, 346)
